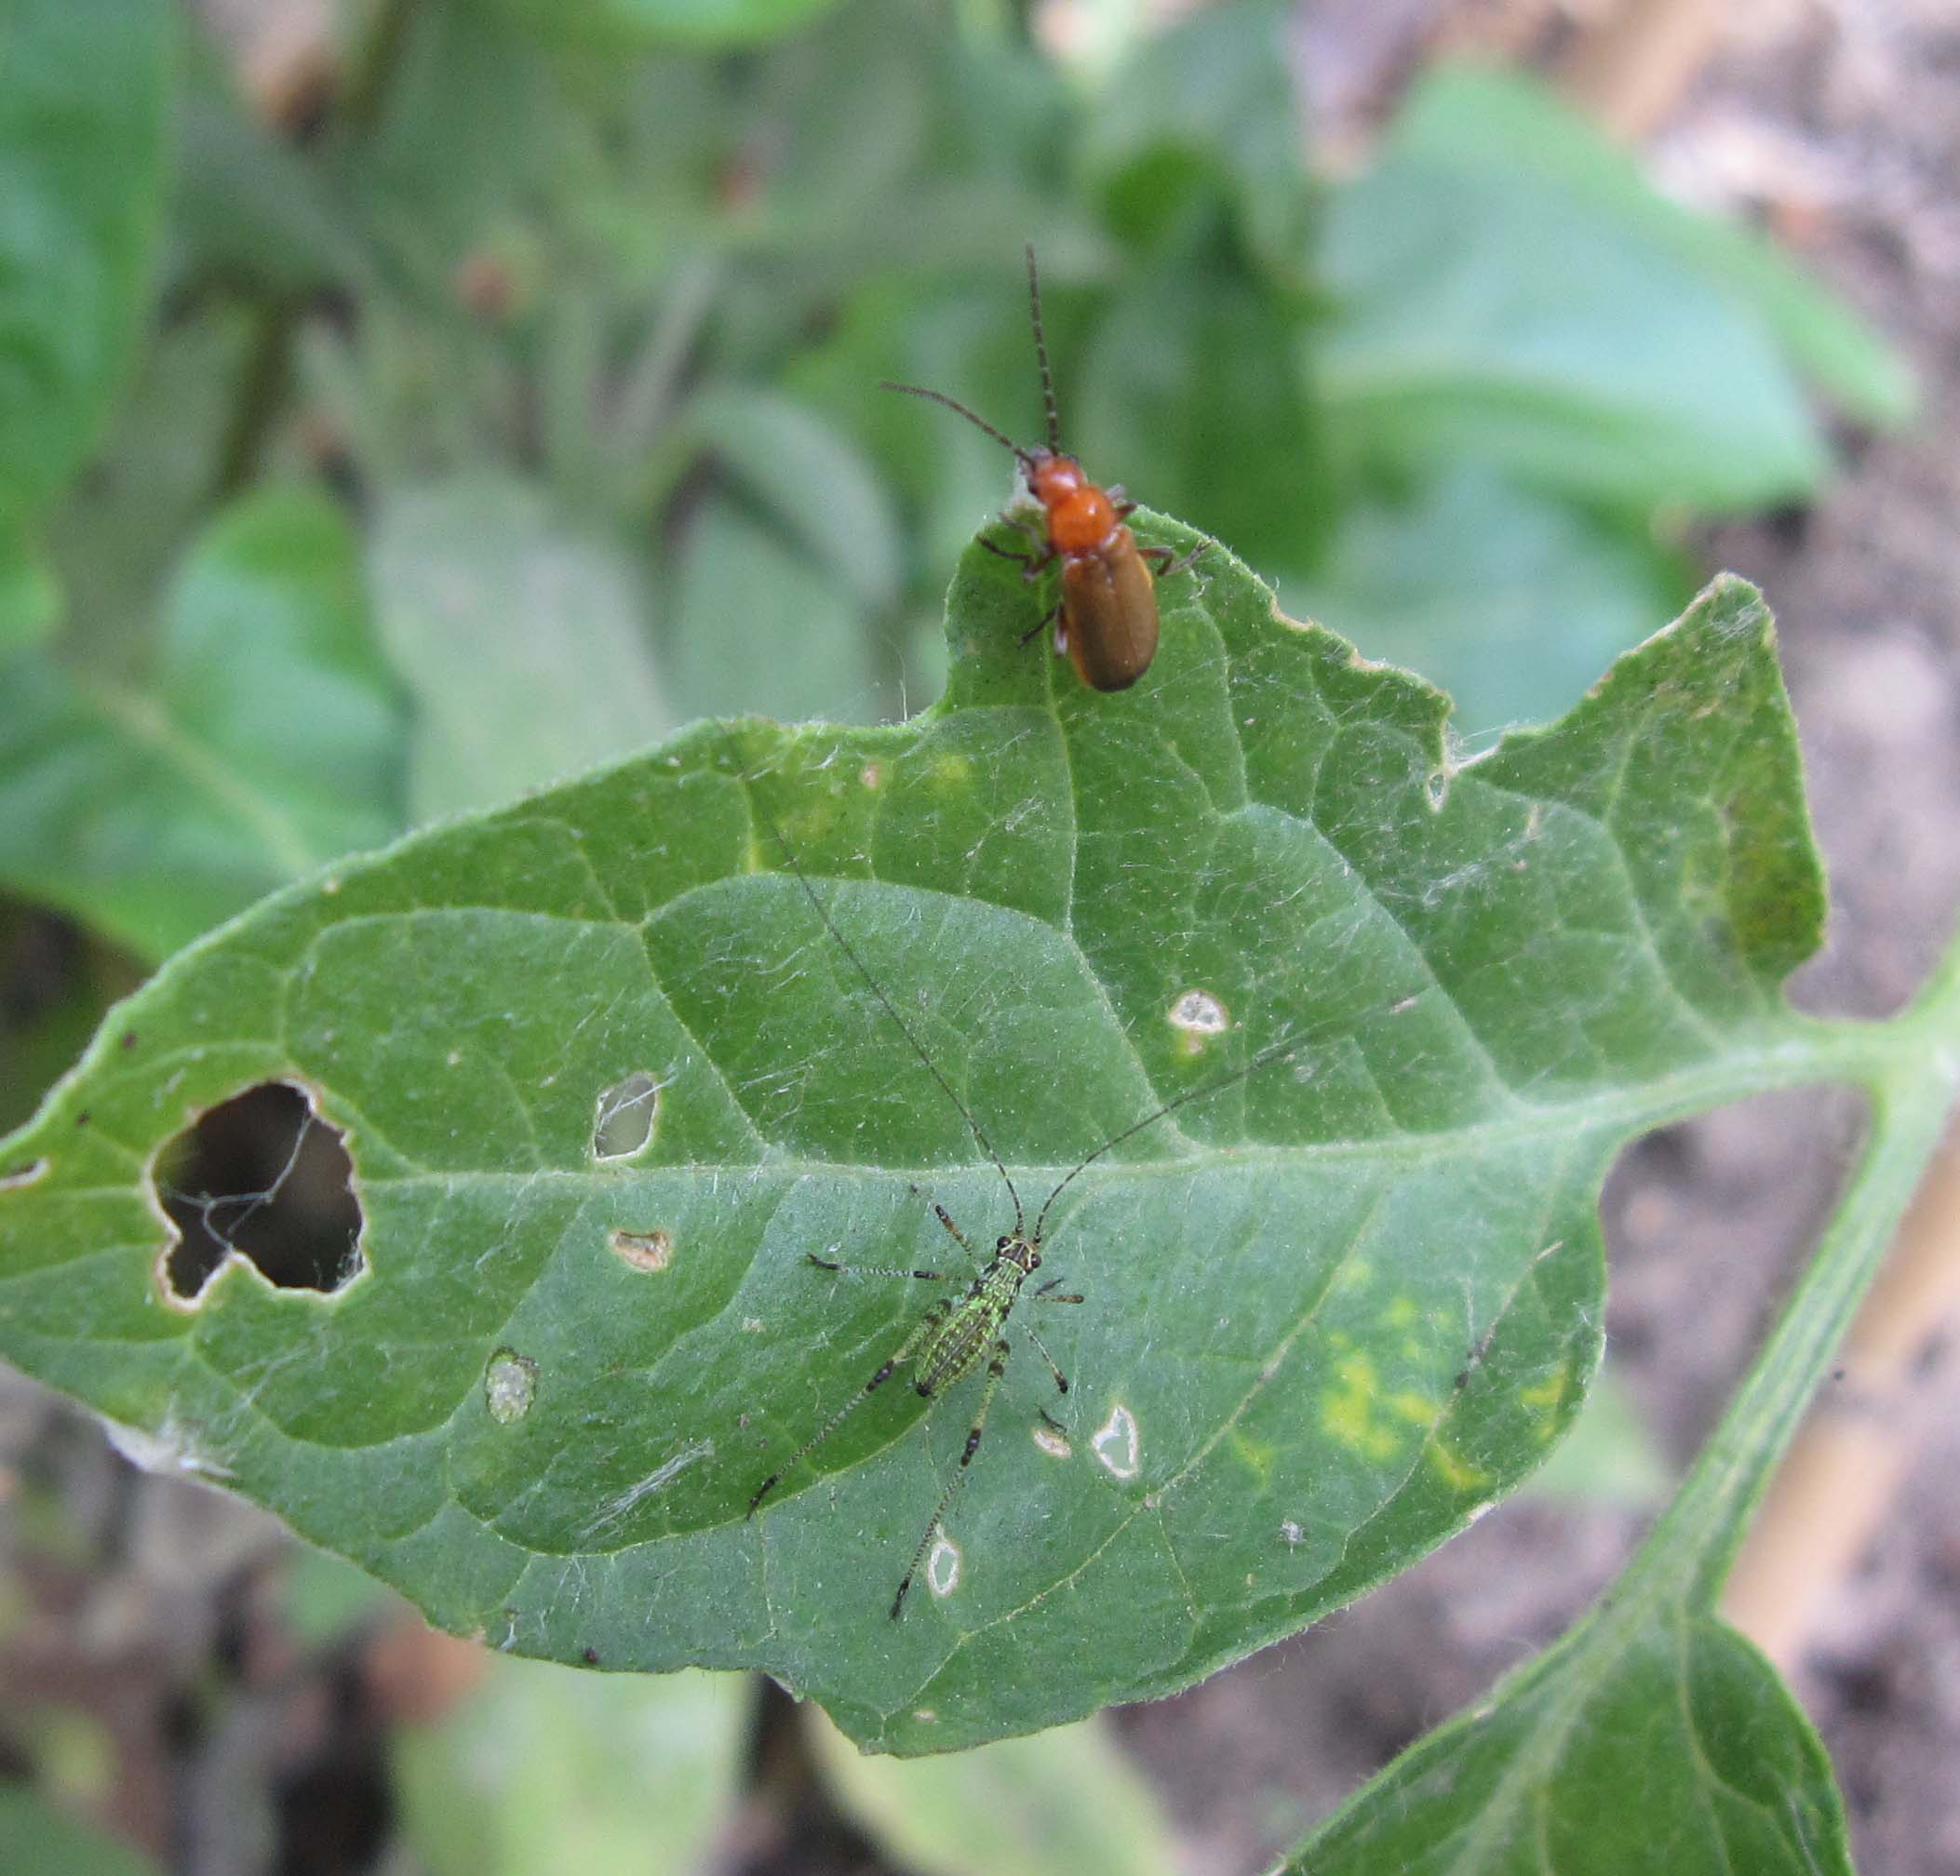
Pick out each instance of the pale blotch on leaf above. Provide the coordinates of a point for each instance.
(1052, 1442)
(173, 1449)
(1197, 1015)
(643, 1250)
(625, 1116)
(510, 1384)
(1117, 1445)
(871, 775)
(943, 1567)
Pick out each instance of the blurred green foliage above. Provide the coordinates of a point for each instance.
(576, 314)
(519, 407)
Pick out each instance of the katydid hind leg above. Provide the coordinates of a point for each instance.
(995, 1370)
(890, 1366)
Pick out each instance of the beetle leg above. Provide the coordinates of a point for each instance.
(1051, 616)
(1023, 561)
(1040, 549)
(1165, 559)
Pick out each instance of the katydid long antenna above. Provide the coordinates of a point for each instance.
(877, 990)
(1279, 1052)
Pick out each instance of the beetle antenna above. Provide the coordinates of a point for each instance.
(1279, 1052)
(877, 990)
(1034, 307)
(979, 423)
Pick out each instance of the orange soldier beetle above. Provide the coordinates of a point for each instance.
(1107, 610)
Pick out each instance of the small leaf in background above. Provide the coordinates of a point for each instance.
(115, 540)
(476, 117)
(84, 95)
(542, 1768)
(665, 22)
(1645, 1697)
(246, 205)
(38, 1837)
(522, 638)
(1512, 600)
(1192, 394)
(327, 1598)
(756, 625)
(1610, 1458)
(268, 741)
(817, 487)
(1205, 108)
(1479, 117)
(1485, 311)
(30, 601)
(56, 981)
(1065, 1803)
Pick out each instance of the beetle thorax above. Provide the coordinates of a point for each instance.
(1081, 518)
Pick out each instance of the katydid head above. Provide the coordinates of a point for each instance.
(1019, 1249)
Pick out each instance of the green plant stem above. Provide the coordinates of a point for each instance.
(652, 384)
(1910, 1067)
(264, 381)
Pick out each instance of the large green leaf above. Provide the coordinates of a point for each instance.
(267, 739)
(1334, 1311)
(83, 97)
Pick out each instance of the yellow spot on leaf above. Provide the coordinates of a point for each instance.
(1456, 1471)
(1257, 1453)
(1347, 1409)
(1417, 1409)
(1548, 1394)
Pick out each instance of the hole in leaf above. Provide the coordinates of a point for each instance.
(17, 1177)
(625, 1116)
(261, 1174)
